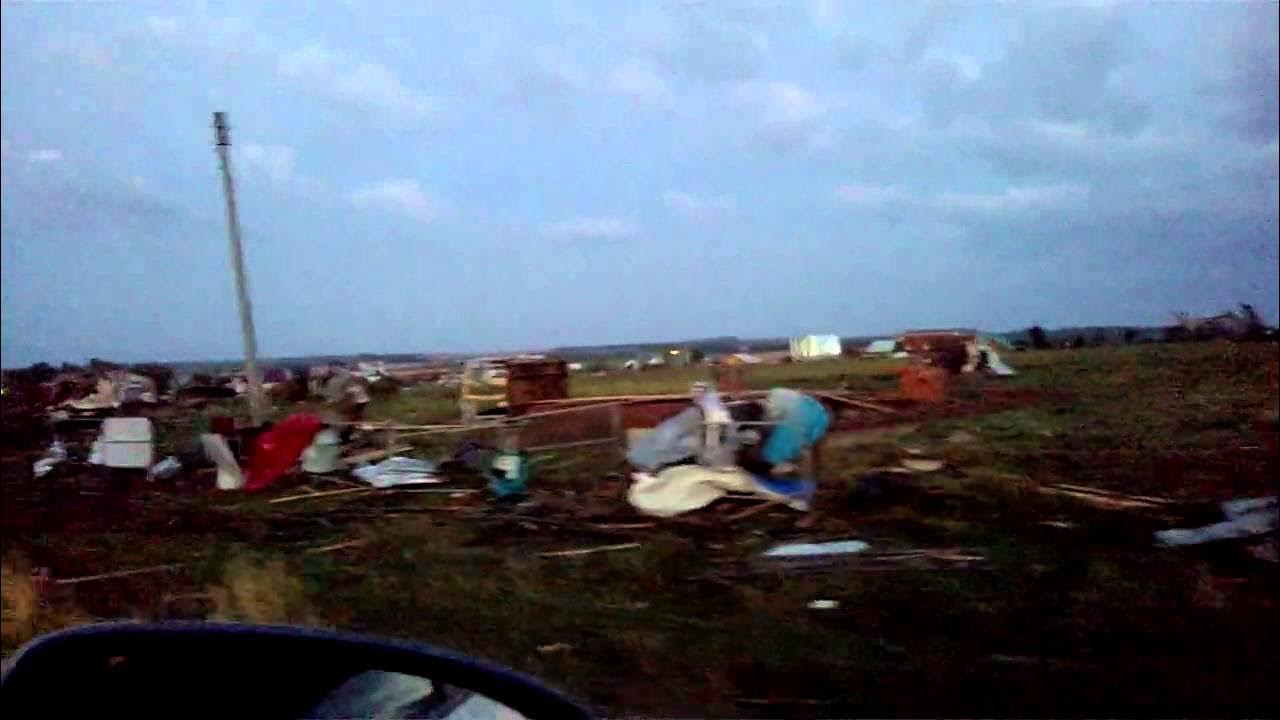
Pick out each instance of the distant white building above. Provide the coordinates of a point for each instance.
(883, 347)
(815, 347)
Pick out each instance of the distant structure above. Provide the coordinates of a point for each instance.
(815, 347)
(880, 348)
(1238, 325)
(925, 341)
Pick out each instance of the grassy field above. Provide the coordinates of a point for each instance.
(1077, 614)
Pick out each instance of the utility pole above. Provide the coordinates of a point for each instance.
(222, 139)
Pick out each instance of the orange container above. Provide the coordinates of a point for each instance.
(923, 383)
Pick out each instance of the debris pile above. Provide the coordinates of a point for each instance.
(712, 449)
(704, 461)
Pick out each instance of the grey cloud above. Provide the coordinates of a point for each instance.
(1061, 64)
(965, 205)
(1249, 85)
(80, 207)
(706, 42)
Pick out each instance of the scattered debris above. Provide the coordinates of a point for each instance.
(318, 494)
(321, 456)
(365, 458)
(126, 442)
(836, 547)
(165, 469)
(814, 557)
(991, 363)
(115, 388)
(117, 574)
(508, 474)
(922, 465)
(622, 526)
(1244, 518)
(753, 510)
(336, 546)
(1105, 499)
(682, 488)
(777, 702)
(219, 452)
(590, 551)
(1061, 524)
(923, 383)
(855, 403)
(398, 470)
(554, 648)
(56, 453)
(278, 449)
(673, 440)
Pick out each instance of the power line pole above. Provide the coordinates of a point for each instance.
(222, 139)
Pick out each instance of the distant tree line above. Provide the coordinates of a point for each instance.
(1245, 325)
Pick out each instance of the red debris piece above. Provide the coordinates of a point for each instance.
(277, 450)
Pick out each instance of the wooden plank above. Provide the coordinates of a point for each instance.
(567, 445)
(1112, 502)
(360, 458)
(853, 403)
(589, 551)
(562, 411)
(327, 493)
(1112, 494)
(435, 491)
(450, 430)
(645, 398)
(335, 546)
(621, 526)
(116, 574)
(367, 426)
(753, 510)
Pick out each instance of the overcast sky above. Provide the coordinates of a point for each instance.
(427, 176)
